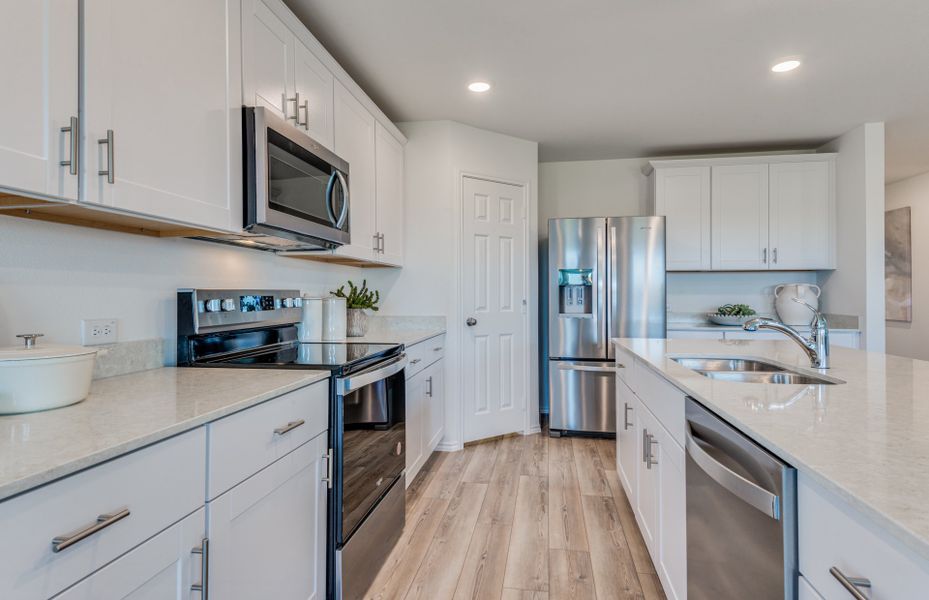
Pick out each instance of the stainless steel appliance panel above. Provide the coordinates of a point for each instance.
(583, 396)
(359, 561)
(741, 515)
(577, 288)
(637, 296)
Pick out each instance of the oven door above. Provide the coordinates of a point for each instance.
(294, 187)
(373, 414)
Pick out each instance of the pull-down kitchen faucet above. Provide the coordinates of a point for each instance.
(816, 347)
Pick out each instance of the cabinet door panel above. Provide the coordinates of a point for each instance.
(354, 141)
(314, 84)
(389, 193)
(434, 420)
(164, 77)
(740, 217)
(161, 568)
(38, 56)
(268, 56)
(415, 398)
(802, 215)
(646, 503)
(627, 453)
(268, 534)
(682, 196)
(672, 514)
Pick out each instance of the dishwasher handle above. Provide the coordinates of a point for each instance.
(755, 496)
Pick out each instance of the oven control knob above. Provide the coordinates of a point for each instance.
(287, 302)
(228, 305)
(212, 305)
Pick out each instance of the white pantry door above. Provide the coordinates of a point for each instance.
(493, 263)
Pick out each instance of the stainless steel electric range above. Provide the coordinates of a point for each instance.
(257, 329)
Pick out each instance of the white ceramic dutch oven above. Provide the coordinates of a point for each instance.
(36, 377)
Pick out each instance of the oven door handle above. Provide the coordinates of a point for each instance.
(347, 385)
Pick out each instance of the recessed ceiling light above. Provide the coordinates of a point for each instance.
(787, 65)
(479, 86)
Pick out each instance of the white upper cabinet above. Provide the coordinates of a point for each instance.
(682, 196)
(389, 196)
(162, 121)
(354, 141)
(740, 217)
(268, 60)
(754, 213)
(801, 215)
(39, 62)
(314, 89)
(282, 75)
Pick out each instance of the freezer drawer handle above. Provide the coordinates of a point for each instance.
(852, 584)
(587, 368)
(753, 495)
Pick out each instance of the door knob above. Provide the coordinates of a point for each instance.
(471, 322)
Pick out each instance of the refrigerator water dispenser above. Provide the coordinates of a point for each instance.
(575, 298)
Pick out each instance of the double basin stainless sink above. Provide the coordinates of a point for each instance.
(746, 370)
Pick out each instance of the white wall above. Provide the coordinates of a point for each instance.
(52, 276)
(856, 287)
(437, 153)
(912, 339)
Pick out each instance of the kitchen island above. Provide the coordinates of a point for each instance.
(861, 449)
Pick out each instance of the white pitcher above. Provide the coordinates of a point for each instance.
(791, 312)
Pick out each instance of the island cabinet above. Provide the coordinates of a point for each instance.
(425, 402)
(754, 213)
(650, 464)
(835, 541)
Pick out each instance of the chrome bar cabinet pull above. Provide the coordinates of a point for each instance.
(204, 586)
(764, 255)
(429, 391)
(774, 252)
(62, 542)
(328, 478)
(377, 242)
(306, 115)
(296, 116)
(75, 140)
(289, 427)
(645, 446)
(626, 423)
(852, 584)
(650, 460)
(110, 171)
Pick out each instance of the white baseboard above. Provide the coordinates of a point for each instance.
(445, 446)
(533, 429)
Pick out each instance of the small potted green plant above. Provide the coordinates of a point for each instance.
(358, 299)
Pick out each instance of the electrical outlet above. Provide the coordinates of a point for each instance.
(95, 332)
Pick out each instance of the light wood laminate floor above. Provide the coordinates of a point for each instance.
(520, 518)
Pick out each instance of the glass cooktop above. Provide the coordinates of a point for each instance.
(312, 355)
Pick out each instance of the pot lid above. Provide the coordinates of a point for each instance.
(31, 350)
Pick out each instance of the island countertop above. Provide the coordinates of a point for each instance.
(866, 440)
(127, 412)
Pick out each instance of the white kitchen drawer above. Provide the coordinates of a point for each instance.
(832, 534)
(625, 364)
(664, 400)
(424, 353)
(164, 567)
(159, 485)
(242, 444)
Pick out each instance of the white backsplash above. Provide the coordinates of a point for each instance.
(696, 293)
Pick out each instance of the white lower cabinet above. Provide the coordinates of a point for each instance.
(415, 386)
(651, 467)
(805, 591)
(167, 566)
(434, 405)
(267, 534)
(425, 402)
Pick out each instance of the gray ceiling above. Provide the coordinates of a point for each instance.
(624, 78)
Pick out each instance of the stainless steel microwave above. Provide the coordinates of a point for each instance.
(294, 187)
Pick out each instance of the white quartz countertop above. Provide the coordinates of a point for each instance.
(866, 440)
(127, 412)
(407, 337)
(714, 327)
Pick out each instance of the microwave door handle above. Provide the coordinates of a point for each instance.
(344, 214)
(330, 187)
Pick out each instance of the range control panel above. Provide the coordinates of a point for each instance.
(200, 311)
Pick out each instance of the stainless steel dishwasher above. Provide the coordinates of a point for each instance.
(741, 514)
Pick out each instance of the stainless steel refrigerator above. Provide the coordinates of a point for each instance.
(606, 279)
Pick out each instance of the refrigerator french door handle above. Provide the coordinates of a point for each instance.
(602, 289)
